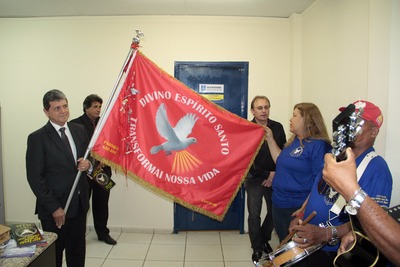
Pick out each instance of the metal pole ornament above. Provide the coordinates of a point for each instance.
(136, 39)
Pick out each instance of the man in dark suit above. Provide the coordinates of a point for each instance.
(89, 119)
(51, 166)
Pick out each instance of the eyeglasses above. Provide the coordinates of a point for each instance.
(260, 108)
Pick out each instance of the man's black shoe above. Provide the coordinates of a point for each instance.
(267, 248)
(108, 240)
(256, 256)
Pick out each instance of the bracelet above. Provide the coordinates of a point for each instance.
(355, 201)
(355, 193)
(335, 237)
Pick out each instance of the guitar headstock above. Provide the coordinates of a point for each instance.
(346, 126)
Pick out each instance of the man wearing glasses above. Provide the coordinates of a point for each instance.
(259, 180)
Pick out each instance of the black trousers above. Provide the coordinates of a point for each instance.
(259, 230)
(71, 237)
(100, 199)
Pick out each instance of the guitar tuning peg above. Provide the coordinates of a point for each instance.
(342, 129)
(352, 137)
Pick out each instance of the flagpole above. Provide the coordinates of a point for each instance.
(111, 100)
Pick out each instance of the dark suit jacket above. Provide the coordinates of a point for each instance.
(51, 171)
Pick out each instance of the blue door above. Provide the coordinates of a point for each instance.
(226, 84)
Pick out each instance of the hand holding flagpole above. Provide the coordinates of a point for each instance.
(110, 102)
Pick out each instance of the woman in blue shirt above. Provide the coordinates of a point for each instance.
(297, 164)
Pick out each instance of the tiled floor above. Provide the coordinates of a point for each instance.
(185, 249)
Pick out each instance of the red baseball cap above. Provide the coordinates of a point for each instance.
(371, 112)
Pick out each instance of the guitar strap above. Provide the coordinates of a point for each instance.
(341, 202)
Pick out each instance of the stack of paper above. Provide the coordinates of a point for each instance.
(12, 250)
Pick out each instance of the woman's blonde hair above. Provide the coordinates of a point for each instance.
(314, 125)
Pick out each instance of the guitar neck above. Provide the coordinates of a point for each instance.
(342, 156)
(394, 212)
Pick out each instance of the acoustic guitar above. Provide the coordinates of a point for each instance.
(363, 252)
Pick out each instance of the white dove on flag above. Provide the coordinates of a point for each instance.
(177, 138)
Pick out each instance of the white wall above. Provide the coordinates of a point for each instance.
(336, 52)
(393, 111)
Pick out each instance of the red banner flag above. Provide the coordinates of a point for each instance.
(173, 141)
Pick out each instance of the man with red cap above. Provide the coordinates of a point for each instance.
(370, 112)
(331, 221)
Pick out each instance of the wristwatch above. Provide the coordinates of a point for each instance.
(335, 237)
(355, 202)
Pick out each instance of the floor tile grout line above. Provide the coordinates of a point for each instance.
(185, 250)
(222, 249)
(148, 249)
(109, 252)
